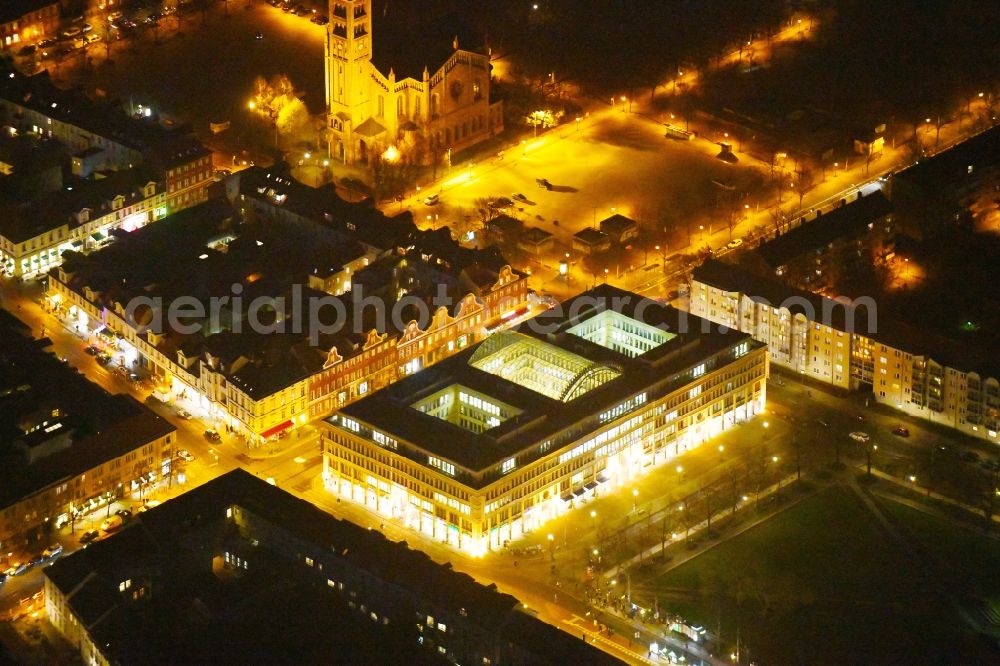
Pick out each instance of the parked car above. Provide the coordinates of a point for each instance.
(319, 19)
(183, 414)
(543, 182)
(185, 455)
(860, 437)
(103, 359)
(517, 196)
(3, 577)
(36, 560)
(900, 431)
(431, 200)
(71, 31)
(27, 50)
(735, 243)
(969, 456)
(213, 436)
(147, 505)
(501, 202)
(53, 551)
(18, 569)
(124, 514)
(87, 537)
(91, 350)
(112, 523)
(258, 35)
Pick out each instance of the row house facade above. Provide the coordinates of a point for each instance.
(841, 345)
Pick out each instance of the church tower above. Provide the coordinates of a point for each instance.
(348, 65)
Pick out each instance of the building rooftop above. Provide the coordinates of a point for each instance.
(564, 367)
(590, 236)
(903, 331)
(954, 166)
(23, 220)
(107, 119)
(192, 615)
(54, 423)
(617, 224)
(848, 221)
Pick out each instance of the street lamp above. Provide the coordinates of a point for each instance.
(635, 499)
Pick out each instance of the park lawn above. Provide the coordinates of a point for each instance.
(818, 584)
(972, 553)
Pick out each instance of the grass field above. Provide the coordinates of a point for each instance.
(819, 584)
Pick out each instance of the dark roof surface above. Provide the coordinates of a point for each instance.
(848, 221)
(896, 330)
(174, 625)
(390, 409)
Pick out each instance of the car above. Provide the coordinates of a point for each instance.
(274, 3)
(18, 569)
(3, 577)
(153, 400)
(91, 38)
(185, 455)
(900, 431)
(112, 523)
(103, 359)
(860, 437)
(89, 536)
(114, 16)
(501, 202)
(302, 11)
(92, 350)
(46, 43)
(134, 377)
(258, 35)
(517, 196)
(86, 27)
(432, 200)
(124, 514)
(212, 436)
(286, 7)
(735, 243)
(969, 456)
(183, 414)
(147, 505)
(319, 19)
(71, 31)
(543, 182)
(27, 50)
(53, 551)
(36, 560)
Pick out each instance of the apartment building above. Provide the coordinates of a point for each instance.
(185, 582)
(498, 439)
(851, 345)
(67, 447)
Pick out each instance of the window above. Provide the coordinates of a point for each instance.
(508, 465)
(698, 370)
(442, 465)
(124, 585)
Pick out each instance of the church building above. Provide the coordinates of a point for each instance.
(387, 96)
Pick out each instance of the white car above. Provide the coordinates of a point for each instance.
(185, 455)
(431, 200)
(860, 437)
(735, 243)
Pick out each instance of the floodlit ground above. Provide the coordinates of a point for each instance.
(613, 162)
(822, 584)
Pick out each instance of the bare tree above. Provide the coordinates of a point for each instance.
(804, 182)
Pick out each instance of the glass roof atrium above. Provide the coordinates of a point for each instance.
(540, 366)
(621, 334)
(466, 408)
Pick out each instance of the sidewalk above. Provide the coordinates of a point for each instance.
(656, 549)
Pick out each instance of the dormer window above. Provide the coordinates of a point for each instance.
(150, 189)
(117, 202)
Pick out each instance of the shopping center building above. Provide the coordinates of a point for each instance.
(510, 433)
